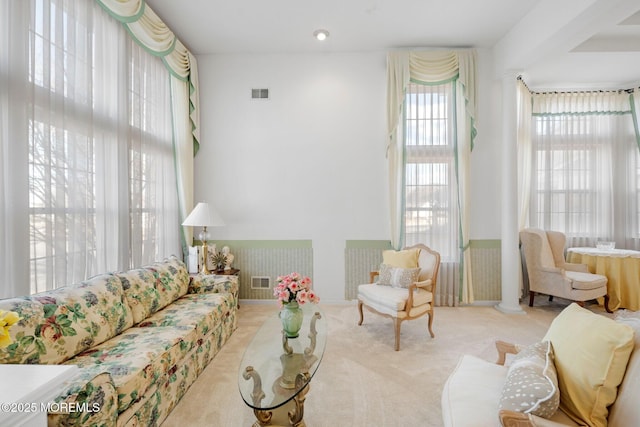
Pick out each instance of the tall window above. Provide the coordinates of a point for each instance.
(431, 208)
(586, 177)
(102, 188)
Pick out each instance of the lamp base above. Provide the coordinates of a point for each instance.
(205, 255)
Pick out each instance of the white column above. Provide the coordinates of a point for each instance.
(509, 161)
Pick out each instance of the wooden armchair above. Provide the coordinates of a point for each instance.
(404, 303)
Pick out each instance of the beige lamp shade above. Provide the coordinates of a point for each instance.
(203, 216)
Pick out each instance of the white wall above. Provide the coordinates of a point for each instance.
(309, 163)
(487, 153)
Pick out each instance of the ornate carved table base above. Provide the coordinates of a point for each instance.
(284, 406)
(289, 414)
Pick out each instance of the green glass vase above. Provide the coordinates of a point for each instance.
(291, 317)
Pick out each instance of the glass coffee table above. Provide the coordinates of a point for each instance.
(275, 371)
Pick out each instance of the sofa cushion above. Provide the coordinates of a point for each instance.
(531, 385)
(406, 258)
(151, 288)
(200, 311)
(140, 290)
(58, 324)
(624, 412)
(591, 353)
(471, 394)
(138, 358)
(172, 280)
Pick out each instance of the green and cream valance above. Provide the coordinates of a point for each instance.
(150, 32)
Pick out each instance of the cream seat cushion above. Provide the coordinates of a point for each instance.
(586, 281)
(392, 298)
(591, 353)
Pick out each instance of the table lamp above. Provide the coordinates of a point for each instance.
(204, 216)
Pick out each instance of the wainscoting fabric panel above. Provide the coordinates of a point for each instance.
(360, 258)
(486, 270)
(268, 258)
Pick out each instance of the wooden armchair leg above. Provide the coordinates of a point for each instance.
(606, 303)
(360, 310)
(430, 324)
(396, 325)
(531, 296)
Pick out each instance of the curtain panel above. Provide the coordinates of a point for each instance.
(634, 100)
(148, 30)
(585, 165)
(431, 67)
(86, 146)
(14, 176)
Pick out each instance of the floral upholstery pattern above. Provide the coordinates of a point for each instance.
(58, 324)
(89, 388)
(200, 311)
(137, 358)
(201, 283)
(136, 374)
(172, 280)
(141, 293)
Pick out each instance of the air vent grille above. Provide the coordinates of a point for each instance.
(260, 282)
(259, 93)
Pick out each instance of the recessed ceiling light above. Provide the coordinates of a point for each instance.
(321, 34)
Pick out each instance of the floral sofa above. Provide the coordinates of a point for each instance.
(140, 339)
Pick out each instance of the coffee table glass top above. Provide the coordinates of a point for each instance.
(279, 367)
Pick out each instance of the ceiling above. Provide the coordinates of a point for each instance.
(555, 43)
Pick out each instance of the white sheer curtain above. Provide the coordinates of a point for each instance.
(14, 197)
(149, 31)
(100, 188)
(585, 167)
(432, 67)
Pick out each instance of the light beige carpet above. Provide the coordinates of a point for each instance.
(362, 381)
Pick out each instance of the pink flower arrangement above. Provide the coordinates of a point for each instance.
(294, 287)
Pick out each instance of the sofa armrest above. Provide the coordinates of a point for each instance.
(427, 285)
(515, 419)
(212, 283)
(87, 400)
(373, 275)
(505, 348)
